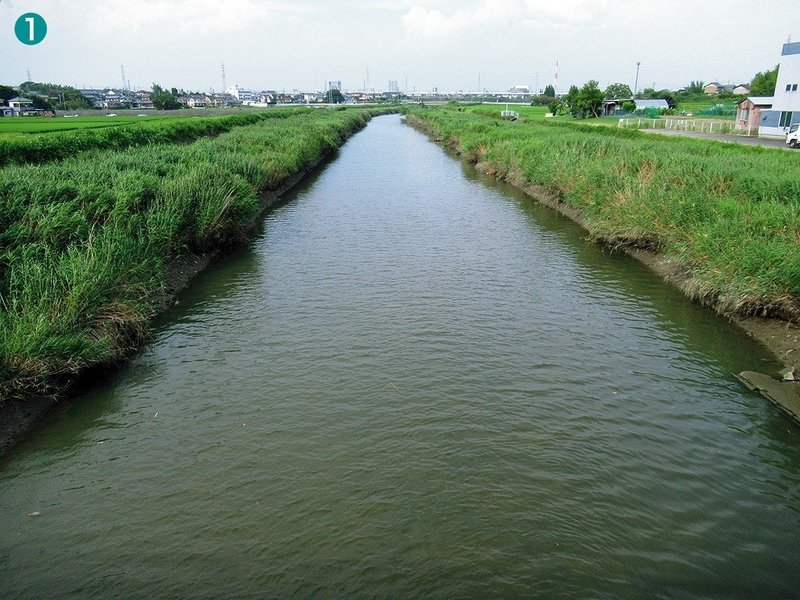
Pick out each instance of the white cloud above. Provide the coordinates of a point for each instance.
(196, 16)
(420, 21)
(566, 12)
(432, 23)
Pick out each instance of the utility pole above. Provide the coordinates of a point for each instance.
(555, 80)
(636, 85)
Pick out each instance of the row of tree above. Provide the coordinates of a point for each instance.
(587, 102)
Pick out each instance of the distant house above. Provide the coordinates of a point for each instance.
(748, 113)
(712, 89)
(741, 90)
(142, 99)
(6, 111)
(194, 100)
(113, 99)
(19, 103)
(21, 106)
(96, 97)
(785, 110)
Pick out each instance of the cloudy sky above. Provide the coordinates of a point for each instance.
(449, 44)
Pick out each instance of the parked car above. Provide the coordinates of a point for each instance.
(793, 135)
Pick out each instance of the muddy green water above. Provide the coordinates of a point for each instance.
(414, 383)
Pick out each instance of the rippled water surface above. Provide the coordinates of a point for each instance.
(414, 383)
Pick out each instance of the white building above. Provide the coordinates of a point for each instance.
(786, 104)
(333, 85)
(240, 94)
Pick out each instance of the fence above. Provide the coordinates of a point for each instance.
(677, 124)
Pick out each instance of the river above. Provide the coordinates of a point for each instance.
(414, 382)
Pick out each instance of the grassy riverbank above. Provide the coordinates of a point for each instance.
(28, 140)
(727, 216)
(86, 242)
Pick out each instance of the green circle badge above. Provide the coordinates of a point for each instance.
(30, 29)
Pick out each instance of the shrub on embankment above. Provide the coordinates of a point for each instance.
(85, 243)
(727, 214)
(46, 147)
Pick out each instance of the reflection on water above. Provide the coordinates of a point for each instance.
(417, 383)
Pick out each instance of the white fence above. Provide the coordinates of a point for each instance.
(677, 124)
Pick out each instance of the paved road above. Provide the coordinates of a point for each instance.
(733, 139)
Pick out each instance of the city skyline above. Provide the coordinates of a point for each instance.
(421, 44)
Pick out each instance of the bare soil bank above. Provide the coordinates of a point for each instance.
(18, 417)
(780, 337)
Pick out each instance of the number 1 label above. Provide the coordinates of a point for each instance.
(30, 29)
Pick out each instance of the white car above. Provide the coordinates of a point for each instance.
(793, 135)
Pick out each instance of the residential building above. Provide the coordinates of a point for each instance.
(748, 113)
(785, 109)
(712, 89)
(741, 90)
(241, 95)
(94, 96)
(113, 99)
(142, 99)
(394, 88)
(20, 104)
(264, 97)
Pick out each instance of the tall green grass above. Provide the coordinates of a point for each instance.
(727, 214)
(85, 243)
(64, 144)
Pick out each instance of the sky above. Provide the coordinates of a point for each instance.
(452, 45)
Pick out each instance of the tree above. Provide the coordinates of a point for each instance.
(549, 90)
(60, 96)
(333, 96)
(669, 97)
(41, 103)
(571, 99)
(588, 102)
(618, 91)
(763, 83)
(164, 100)
(695, 87)
(6, 93)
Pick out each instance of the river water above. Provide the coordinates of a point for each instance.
(414, 382)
